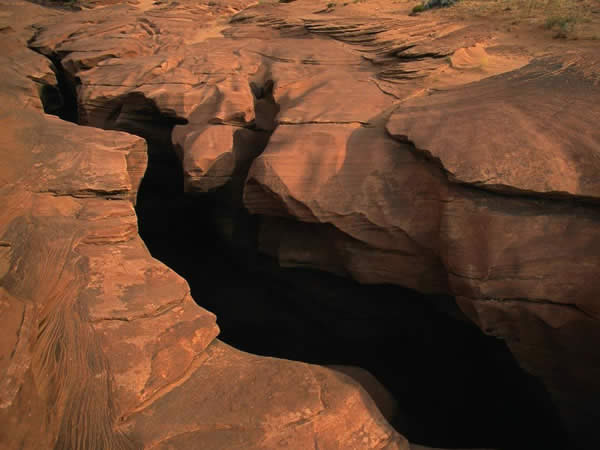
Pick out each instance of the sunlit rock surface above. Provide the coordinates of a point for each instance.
(102, 345)
(389, 149)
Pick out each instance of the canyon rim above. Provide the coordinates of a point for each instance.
(303, 225)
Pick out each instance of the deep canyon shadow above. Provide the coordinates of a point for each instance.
(455, 386)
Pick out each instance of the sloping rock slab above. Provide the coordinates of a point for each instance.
(238, 400)
(363, 183)
(533, 130)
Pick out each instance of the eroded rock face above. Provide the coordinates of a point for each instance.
(400, 150)
(102, 345)
(532, 130)
(317, 173)
(305, 406)
(507, 259)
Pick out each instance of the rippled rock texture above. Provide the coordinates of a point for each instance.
(389, 149)
(102, 345)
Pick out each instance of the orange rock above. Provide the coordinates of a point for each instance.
(486, 190)
(102, 344)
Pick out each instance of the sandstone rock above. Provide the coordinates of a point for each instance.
(490, 195)
(532, 130)
(497, 253)
(501, 255)
(380, 395)
(82, 279)
(260, 403)
(102, 344)
(22, 65)
(207, 158)
(319, 173)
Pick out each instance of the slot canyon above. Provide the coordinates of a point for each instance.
(241, 225)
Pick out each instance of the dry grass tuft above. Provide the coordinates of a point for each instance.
(570, 19)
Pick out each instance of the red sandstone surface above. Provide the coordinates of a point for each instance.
(430, 152)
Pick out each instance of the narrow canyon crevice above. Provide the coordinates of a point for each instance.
(60, 100)
(455, 387)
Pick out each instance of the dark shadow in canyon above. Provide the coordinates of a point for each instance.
(61, 99)
(455, 387)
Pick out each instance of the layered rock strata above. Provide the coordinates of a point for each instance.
(102, 345)
(407, 151)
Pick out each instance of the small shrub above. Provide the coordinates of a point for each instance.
(73, 5)
(331, 5)
(438, 3)
(419, 8)
(429, 4)
(563, 25)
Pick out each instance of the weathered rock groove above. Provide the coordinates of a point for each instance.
(451, 385)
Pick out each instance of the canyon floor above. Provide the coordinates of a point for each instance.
(308, 225)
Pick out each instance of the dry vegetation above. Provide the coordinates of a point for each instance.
(568, 19)
(571, 19)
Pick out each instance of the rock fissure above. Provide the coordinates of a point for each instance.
(226, 252)
(88, 193)
(205, 138)
(537, 301)
(323, 122)
(64, 102)
(198, 360)
(202, 428)
(164, 309)
(554, 197)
